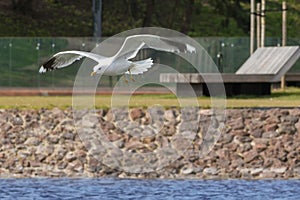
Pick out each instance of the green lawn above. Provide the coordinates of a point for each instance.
(288, 98)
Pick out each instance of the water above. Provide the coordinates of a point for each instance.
(147, 189)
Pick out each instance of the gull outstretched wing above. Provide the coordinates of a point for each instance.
(134, 43)
(66, 58)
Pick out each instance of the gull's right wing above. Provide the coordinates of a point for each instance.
(133, 44)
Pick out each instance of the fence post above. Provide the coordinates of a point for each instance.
(258, 25)
(252, 26)
(263, 22)
(283, 37)
(10, 62)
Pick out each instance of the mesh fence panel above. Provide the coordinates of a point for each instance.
(20, 58)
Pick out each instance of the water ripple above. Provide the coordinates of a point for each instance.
(147, 189)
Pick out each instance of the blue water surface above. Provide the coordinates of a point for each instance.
(147, 189)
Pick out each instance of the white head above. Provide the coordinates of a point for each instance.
(96, 70)
(101, 67)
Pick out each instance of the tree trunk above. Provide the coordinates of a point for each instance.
(187, 17)
(150, 9)
(170, 20)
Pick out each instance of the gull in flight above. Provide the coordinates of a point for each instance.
(121, 62)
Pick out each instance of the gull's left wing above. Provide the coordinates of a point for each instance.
(132, 45)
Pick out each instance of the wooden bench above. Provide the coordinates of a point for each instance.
(263, 68)
(234, 84)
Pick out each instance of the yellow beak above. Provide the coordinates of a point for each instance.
(93, 73)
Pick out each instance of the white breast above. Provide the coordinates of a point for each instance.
(118, 67)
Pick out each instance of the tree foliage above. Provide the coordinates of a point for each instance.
(233, 9)
(192, 17)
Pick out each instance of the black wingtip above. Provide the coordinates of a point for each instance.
(48, 66)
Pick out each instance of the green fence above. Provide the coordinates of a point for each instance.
(20, 58)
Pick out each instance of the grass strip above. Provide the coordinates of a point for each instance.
(288, 98)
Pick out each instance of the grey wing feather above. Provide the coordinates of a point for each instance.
(66, 60)
(59, 61)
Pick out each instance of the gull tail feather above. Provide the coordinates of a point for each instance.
(139, 67)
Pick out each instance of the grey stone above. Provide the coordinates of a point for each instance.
(69, 136)
(120, 114)
(250, 155)
(62, 165)
(89, 120)
(286, 128)
(210, 171)
(170, 115)
(279, 170)
(237, 124)
(271, 127)
(296, 172)
(290, 119)
(6, 127)
(156, 114)
(122, 124)
(267, 174)
(225, 138)
(93, 165)
(44, 149)
(70, 156)
(242, 139)
(76, 166)
(187, 170)
(257, 133)
(147, 131)
(256, 171)
(23, 154)
(53, 139)
(189, 114)
(17, 121)
(32, 141)
(189, 126)
(60, 153)
(270, 134)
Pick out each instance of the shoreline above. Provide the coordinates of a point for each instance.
(256, 144)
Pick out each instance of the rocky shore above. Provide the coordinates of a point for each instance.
(153, 143)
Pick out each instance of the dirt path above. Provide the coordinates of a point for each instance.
(18, 91)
